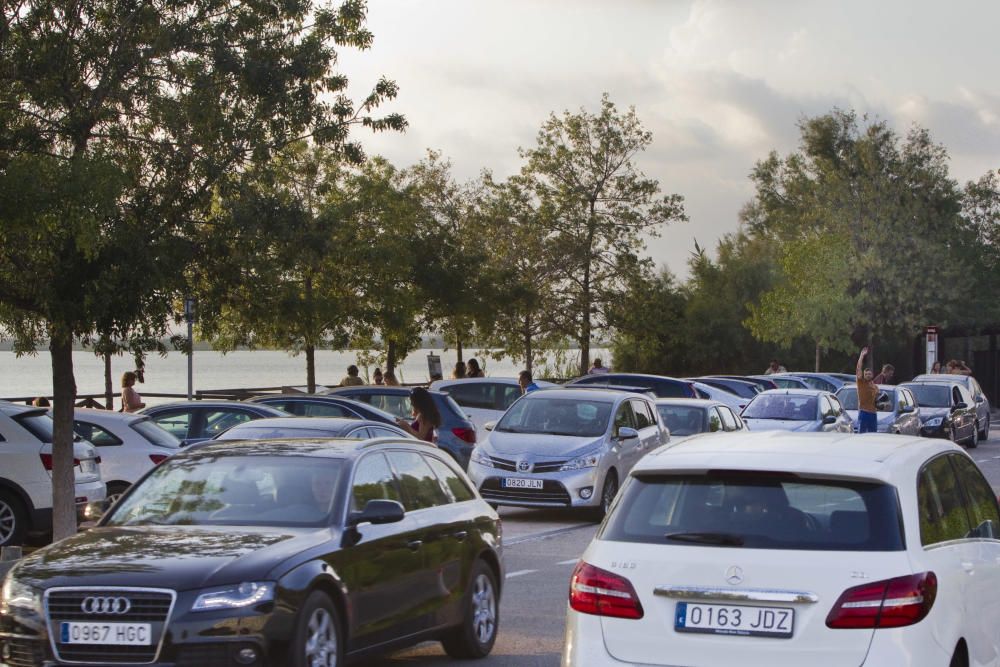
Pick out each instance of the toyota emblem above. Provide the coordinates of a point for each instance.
(105, 605)
(734, 575)
(523, 466)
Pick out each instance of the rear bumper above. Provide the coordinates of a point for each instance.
(583, 643)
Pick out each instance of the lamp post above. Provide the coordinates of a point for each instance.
(189, 316)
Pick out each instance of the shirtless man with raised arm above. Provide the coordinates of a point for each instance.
(867, 392)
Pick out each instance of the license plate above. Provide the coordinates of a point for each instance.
(88, 466)
(514, 483)
(114, 634)
(717, 619)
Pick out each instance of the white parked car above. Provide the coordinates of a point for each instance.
(129, 444)
(26, 473)
(484, 399)
(781, 548)
(711, 393)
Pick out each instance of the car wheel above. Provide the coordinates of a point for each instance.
(985, 433)
(475, 637)
(115, 490)
(316, 641)
(608, 493)
(13, 520)
(973, 441)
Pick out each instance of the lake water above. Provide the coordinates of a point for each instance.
(32, 375)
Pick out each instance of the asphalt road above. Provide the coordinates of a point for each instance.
(542, 548)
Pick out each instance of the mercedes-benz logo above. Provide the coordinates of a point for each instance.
(523, 466)
(105, 605)
(734, 575)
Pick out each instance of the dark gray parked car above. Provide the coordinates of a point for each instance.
(982, 403)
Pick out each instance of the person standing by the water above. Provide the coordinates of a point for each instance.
(131, 400)
(473, 370)
(459, 372)
(390, 379)
(377, 376)
(352, 379)
(867, 392)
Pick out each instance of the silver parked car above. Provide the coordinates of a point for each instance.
(685, 417)
(566, 448)
(796, 410)
(898, 411)
(982, 403)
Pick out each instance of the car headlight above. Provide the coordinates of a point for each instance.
(480, 457)
(590, 460)
(235, 597)
(934, 421)
(18, 595)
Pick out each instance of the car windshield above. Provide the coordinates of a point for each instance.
(849, 399)
(782, 406)
(557, 416)
(250, 490)
(682, 419)
(757, 510)
(931, 396)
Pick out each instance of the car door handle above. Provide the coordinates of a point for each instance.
(414, 544)
(460, 535)
(968, 566)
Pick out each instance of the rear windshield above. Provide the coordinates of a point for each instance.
(782, 406)
(156, 434)
(39, 424)
(757, 511)
(931, 396)
(682, 419)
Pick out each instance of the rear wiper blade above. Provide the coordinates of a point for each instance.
(726, 539)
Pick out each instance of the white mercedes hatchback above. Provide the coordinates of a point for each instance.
(780, 548)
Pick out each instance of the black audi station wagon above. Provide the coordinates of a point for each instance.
(284, 552)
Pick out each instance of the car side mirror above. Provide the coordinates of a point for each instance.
(829, 419)
(377, 512)
(489, 426)
(627, 433)
(961, 405)
(906, 408)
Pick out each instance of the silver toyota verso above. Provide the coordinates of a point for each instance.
(566, 448)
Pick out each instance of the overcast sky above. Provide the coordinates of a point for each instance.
(720, 83)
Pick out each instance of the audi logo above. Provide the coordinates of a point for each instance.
(102, 605)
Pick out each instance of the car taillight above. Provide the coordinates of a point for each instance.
(892, 603)
(157, 458)
(465, 434)
(596, 591)
(47, 461)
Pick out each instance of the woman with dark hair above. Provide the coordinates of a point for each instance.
(472, 369)
(459, 371)
(426, 417)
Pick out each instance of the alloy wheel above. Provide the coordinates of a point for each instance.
(321, 644)
(484, 609)
(610, 491)
(8, 522)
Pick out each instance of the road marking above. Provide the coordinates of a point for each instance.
(982, 460)
(571, 561)
(546, 535)
(996, 457)
(511, 575)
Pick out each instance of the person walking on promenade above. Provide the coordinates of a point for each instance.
(885, 377)
(597, 368)
(41, 402)
(459, 372)
(352, 378)
(426, 417)
(936, 368)
(775, 367)
(390, 379)
(377, 376)
(526, 382)
(956, 367)
(473, 370)
(131, 400)
(867, 392)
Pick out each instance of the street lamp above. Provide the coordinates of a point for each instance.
(189, 317)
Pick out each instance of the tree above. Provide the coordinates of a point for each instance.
(871, 230)
(117, 121)
(582, 167)
(278, 274)
(649, 326)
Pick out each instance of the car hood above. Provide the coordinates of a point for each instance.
(177, 557)
(539, 445)
(781, 425)
(927, 413)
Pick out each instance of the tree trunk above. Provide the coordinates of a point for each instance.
(64, 398)
(458, 348)
(587, 297)
(528, 352)
(311, 368)
(109, 392)
(390, 357)
(819, 353)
